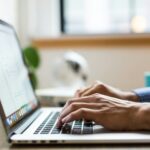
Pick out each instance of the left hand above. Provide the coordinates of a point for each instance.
(105, 89)
(112, 113)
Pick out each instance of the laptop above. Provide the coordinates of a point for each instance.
(25, 121)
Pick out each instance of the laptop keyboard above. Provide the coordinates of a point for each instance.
(48, 126)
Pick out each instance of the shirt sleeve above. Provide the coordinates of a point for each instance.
(143, 94)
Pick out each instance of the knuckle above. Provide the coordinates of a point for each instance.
(100, 86)
(97, 97)
(97, 82)
(73, 106)
(71, 115)
(70, 102)
(83, 112)
(78, 91)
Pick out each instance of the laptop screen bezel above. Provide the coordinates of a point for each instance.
(3, 117)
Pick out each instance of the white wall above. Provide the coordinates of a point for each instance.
(118, 66)
(123, 67)
(8, 12)
(38, 19)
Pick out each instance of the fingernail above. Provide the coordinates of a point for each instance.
(58, 122)
(59, 125)
(64, 120)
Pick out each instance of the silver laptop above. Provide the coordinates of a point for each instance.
(25, 121)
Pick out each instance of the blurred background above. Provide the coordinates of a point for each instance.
(112, 35)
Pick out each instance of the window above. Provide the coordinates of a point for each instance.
(8, 12)
(105, 16)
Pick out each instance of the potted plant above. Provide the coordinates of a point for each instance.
(32, 60)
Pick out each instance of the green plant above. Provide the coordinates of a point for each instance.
(32, 60)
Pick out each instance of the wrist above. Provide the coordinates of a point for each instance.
(139, 117)
(142, 116)
(131, 96)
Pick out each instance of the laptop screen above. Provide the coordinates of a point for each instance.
(16, 95)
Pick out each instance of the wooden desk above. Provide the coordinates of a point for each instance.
(5, 146)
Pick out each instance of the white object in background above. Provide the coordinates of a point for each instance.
(70, 71)
(55, 96)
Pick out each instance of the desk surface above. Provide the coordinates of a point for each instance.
(5, 146)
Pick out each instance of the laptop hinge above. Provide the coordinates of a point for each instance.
(25, 123)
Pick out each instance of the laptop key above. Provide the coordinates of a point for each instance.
(76, 131)
(88, 124)
(78, 122)
(56, 130)
(87, 128)
(77, 127)
(42, 124)
(48, 125)
(67, 128)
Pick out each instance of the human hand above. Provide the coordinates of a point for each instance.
(101, 88)
(112, 113)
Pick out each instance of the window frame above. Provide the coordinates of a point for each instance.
(62, 26)
(62, 20)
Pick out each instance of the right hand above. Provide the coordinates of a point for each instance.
(101, 88)
(111, 113)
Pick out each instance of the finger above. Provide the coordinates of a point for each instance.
(76, 106)
(87, 99)
(77, 93)
(81, 99)
(90, 91)
(83, 113)
(81, 91)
